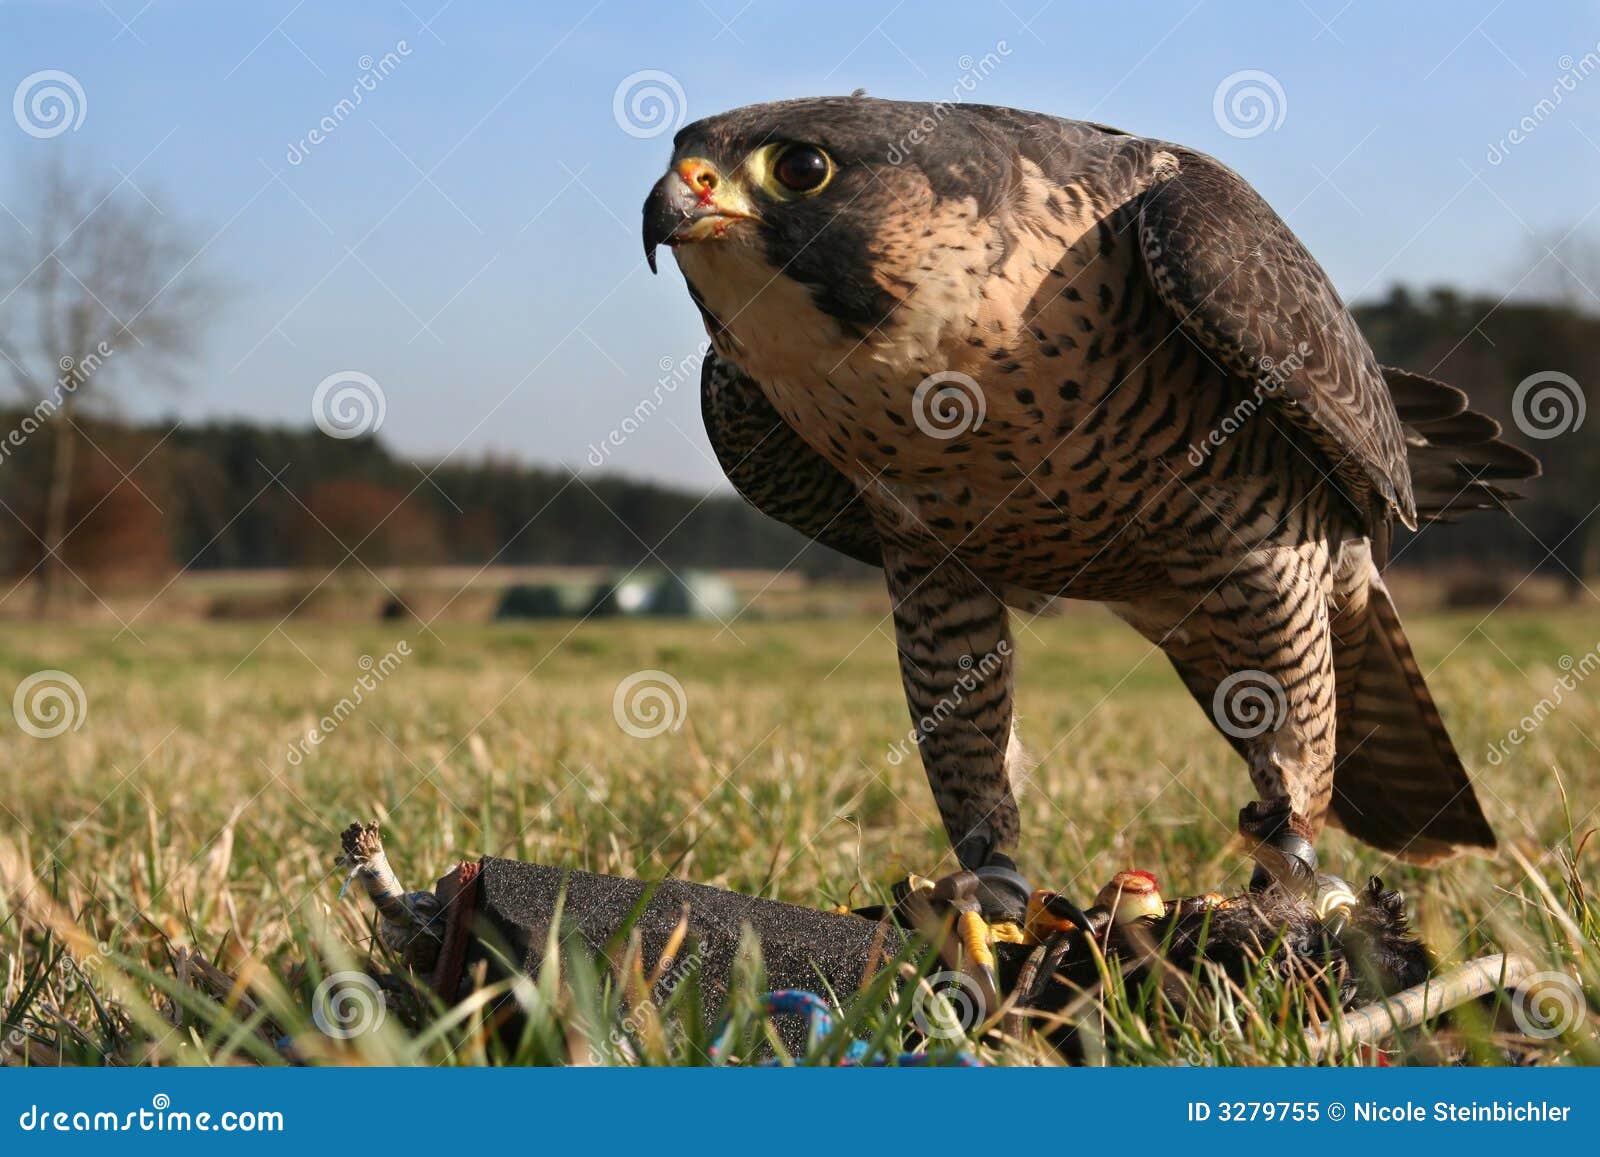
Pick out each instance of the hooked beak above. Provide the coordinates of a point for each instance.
(691, 203)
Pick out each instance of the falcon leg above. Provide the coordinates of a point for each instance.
(1274, 696)
(1282, 845)
(955, 651)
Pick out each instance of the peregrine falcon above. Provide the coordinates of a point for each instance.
(1008, 357)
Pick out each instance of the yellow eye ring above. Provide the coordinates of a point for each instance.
(791, 170)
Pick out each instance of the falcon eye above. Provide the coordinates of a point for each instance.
(802, 168)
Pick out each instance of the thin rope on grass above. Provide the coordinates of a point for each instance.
(1371, 1023)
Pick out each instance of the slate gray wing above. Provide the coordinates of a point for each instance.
(774, 469)
(1243, 287)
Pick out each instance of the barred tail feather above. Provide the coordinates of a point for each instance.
(1398, 783)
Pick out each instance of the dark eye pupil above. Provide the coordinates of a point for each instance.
(802, 168)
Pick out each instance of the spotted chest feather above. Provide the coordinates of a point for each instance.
(1003, 408)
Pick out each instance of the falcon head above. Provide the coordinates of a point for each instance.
(826, 214)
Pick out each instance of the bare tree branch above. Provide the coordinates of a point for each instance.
(104, 295)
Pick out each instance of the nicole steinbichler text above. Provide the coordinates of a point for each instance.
(1377, 1112)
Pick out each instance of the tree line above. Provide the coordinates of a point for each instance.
(218, 495)
(147, 498)
(1531, 365)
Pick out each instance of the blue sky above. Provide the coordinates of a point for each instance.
(469, 238)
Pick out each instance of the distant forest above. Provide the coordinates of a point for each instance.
(147, 499)
(1488, 348)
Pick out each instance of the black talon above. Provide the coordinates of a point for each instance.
(1064, 909)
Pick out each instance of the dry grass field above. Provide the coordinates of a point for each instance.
(167, 886)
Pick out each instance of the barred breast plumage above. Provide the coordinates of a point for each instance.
(1043, 358)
